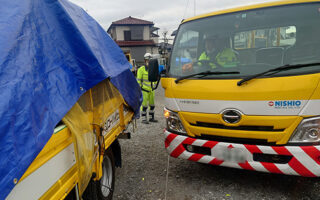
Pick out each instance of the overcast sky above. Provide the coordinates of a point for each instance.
(165, 14)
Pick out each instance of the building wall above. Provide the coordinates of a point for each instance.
(119, 32)
(155, 39)
(146, 33)
(119, 35)
(137, 53)
(152, 50)
(113, 33)
(126, 49)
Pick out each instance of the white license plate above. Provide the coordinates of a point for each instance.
(111, 122)
(229, 154)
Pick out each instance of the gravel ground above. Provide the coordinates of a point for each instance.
(148, 173)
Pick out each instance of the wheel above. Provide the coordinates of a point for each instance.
(105, 186)
(102, 189)
(91, 191)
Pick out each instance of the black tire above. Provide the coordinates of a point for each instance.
(105, 186)
(91, 191)
(102, 189)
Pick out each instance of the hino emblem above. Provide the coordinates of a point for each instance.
(231, 116)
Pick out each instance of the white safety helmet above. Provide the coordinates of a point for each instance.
(147, 56)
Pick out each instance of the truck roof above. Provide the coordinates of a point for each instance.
(249, 7)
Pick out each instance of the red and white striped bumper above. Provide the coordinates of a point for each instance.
(304, 160)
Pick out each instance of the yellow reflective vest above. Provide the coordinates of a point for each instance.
(226, 58)
(142, 77)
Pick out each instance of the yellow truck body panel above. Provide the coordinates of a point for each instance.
(61, 166)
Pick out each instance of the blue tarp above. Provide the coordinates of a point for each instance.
(51, 52)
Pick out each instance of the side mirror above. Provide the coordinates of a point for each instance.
(153, 73)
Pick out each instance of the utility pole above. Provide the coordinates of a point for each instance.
(164, 46)
(165, 43)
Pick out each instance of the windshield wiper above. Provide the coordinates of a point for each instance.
(206, 73)
(276, 70)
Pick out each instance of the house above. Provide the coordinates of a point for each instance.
(135, 36)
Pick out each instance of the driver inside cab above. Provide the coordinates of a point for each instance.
(216, 54)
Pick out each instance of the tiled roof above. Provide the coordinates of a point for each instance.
(136, 43)
(132, 21)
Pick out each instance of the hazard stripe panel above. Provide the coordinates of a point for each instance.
(300, 160)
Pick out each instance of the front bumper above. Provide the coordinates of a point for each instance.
(289, 160)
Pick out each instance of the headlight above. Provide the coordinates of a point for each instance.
(173, 122)
(308, 131)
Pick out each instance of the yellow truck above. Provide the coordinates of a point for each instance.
(133, 66)
(80, 158)
(67, 96)
(252, 100)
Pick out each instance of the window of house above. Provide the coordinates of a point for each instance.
(137, 33)
(127, 35)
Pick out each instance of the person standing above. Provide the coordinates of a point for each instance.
(147, 91)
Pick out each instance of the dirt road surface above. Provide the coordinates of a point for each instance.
(147, 174)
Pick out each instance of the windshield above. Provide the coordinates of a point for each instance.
(249, 42)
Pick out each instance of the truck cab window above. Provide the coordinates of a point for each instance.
(248, 42)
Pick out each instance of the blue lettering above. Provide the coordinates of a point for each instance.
(287, 103)
(278, 103)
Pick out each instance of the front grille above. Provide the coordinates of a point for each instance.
(199, 150)
(243, 128)
(258, 157)
(269, 158)
(236, 140)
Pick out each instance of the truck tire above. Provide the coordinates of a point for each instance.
(91, 191)
(102, 189)
(105, 186)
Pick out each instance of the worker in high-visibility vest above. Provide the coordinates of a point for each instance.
(216, 54)
(147, 91)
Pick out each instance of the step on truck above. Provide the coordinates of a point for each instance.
(67, 96)
(252, 101)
